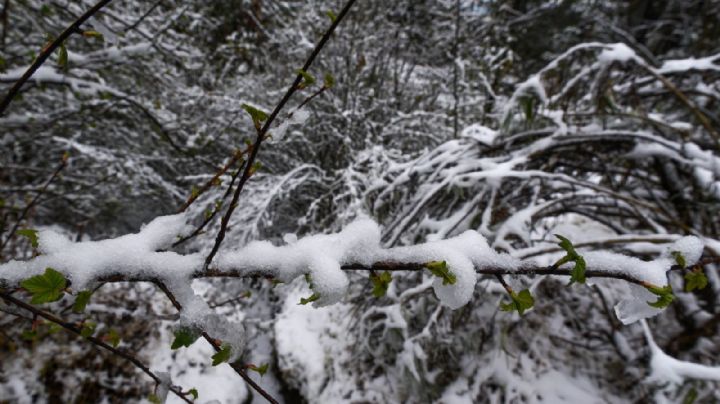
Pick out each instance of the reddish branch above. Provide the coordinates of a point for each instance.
(261, 134)
(217, 346)
(47, 51)
(32, 203)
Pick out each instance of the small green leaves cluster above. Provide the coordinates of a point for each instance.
(440, 269)
(262, 369)
(81, 301)
(194, 393)
(664, 294)
(112, 337)
(258, 116)
(695, 279)
(679, 258)
(329, 81)
(313, 297)
(307, 79)
(380, 282)
(62, 60)
(30, 234)
(520, 302)
(223, 355)
(93, 34)
(45, 288)
(331, 15)
(578, 272)
(88, 329)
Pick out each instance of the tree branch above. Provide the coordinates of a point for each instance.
(47, 51)
(261, 134)
(95, 341)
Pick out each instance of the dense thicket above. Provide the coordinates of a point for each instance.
(520, 119)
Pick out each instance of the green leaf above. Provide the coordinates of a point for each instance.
(691, 396)
(520, 302)
(112, 337)
(664, 294)
(262, 369)
(566, 245)
(440, 269)
(54, 328)
(194, 191)
(578, 272)
(329, 81)
(679, 258)
(223, 355)
(62, 56)
(255, 167)
(29, 335)
(380, 283)
(528, 105)
(81, 301)
(331, 15)
(310, 299)
(30, 234)
(695, 280)
(45, 288)
(308, 79)
(256, 115)
(184, 337)
(45, 10)
(154, 399)
(93, 34)
(88, 328)
(193, 392)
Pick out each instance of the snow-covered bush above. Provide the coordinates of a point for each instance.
(461, 201)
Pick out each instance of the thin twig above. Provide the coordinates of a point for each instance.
(217, 347)
(39, 193)
(47, 51)
(95, 341)
(295, 86)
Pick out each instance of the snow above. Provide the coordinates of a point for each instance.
(321, 256)
(298, 117)
(619, 52)
(690, 247)
(481, 133)
(666, 369)
(683, 65)
(130, 255)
